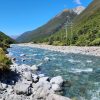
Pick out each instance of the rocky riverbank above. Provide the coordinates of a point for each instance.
(27, 84)
(95, 51)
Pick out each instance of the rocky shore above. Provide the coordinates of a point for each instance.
(95, 51)
(27, 84)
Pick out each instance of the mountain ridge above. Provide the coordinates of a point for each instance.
(23, 37)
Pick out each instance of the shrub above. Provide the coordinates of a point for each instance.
(96, 42)
(4, 61)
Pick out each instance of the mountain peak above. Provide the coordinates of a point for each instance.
(79, 9)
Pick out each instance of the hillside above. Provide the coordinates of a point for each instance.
(5, 41)
(49, 28)
(85, 30)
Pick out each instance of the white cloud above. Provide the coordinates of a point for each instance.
(78, 2)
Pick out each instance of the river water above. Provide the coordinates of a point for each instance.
(81, 72)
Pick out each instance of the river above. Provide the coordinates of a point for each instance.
(81, 72)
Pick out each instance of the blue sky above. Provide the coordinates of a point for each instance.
(18, 16)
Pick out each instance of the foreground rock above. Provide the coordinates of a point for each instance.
(22, 88)
(31, 86)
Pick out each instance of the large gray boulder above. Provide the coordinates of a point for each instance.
(57, 80)
(21, 88)
(41, 90)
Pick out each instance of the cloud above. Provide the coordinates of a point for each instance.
(78, 2)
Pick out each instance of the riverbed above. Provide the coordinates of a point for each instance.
(81, 72)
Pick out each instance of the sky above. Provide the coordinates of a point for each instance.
(19, 16)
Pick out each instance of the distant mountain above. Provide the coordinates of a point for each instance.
(49, 28)
(14, 36)
(5, 40)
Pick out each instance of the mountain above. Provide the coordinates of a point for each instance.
(86, 28)
(84, 31)
(79, 9)
(5, 41)
(14, 36)
(49, 28)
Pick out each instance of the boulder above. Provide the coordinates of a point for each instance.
(44, 79)
(46, 59)
(42, 90)
(41, 75)
(3, 86)
(26, 82)
(56, 88)
(57, 80)
(42, 84)
(23, 68)
(35, 78)
(21, 88)
(34, 68)
(28, 76)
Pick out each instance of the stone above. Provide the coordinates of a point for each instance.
(42, 84)
(28, 76)
(21, 88)
(34, 68)
(44, 79)
(23, 68)
(46, 59)
(3, 86)
(57, 80)
(26, 82)
(14, 59)
(41, 75)
(22, 55)
(41, 90)
(35, 78)
(56, 88)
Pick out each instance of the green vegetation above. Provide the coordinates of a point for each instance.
(5, 41)
(4, 61)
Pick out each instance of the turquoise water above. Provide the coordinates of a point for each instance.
(81, 72)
